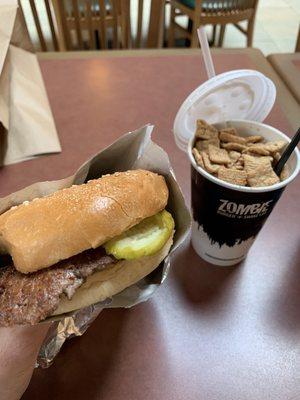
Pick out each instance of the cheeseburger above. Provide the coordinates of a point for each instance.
(81, 245)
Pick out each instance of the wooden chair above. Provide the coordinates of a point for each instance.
(298, 42)
(102, 24)
(91, 24)
(45, 43)
(210, 12)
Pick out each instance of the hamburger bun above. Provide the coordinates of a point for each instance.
(40, 233)
(110, 281)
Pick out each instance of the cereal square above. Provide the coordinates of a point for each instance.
(258, 148)
(259, 171)
(232, 176)
(234, 146)
(275, 146)
(251, 162)
(254, 139)
(205, 131)
(228, 137)
(209, 167)
(232, 131)
(203, 144)
(198, 157)
(217, 155)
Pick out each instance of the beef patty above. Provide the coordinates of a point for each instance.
(30, 298)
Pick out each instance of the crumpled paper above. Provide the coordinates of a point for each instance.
(27, 126)
(133, 150)
(67, 328)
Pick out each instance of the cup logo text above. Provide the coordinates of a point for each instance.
(238, 210)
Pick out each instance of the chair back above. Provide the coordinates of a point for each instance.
(102, 24)
(228, 5)
(45, 28)
(227, 11)
(93, 24)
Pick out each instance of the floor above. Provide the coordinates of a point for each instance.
(276, 28)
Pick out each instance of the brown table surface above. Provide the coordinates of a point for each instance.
(209, 333)
(288, 67)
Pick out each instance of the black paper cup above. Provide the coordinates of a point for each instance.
(227, 217)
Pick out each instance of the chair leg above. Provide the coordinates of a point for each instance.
(171, 33)
(297, 48)
(214, 35)
(189, 30)
(250, 32)
(221, 37)
(196, 25)
(194, 40)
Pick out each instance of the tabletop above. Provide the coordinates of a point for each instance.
(210, 333)
(287, 65)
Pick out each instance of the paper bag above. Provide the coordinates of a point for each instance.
(27, 126)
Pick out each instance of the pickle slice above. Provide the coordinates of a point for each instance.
(143, 239)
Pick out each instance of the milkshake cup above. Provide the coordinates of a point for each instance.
(227, 217)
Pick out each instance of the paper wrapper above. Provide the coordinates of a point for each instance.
(27, 127)
(132, 151)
